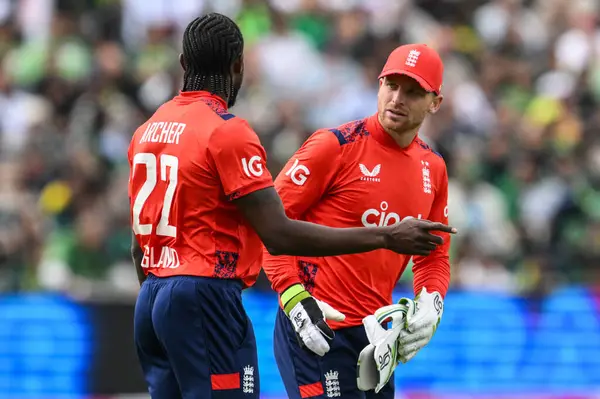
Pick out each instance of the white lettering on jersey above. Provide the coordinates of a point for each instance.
(253, 167)
(298, 173)
(370, 175)
(168, 163)
(374, 218)
(163, 132)
(426, 177)
(169, 258)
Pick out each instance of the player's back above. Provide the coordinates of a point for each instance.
(181, 213)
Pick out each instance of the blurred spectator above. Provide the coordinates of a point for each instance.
(518, 127)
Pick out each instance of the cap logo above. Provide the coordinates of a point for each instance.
(412, 58)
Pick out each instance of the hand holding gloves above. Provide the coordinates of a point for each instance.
(309, 317)
(414, 323)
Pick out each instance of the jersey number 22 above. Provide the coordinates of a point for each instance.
(150, 161)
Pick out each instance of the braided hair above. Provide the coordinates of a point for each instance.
(211, 45)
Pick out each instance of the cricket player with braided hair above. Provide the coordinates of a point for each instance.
(202, 200)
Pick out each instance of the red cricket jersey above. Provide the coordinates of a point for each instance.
(187, 163)
(354, 176)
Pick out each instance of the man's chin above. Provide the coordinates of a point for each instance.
(395, 126)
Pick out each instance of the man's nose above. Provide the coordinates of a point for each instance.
(398, 97)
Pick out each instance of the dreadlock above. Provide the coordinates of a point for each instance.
(211, 44)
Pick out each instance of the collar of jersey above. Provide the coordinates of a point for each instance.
(383, 137)
(189, 96)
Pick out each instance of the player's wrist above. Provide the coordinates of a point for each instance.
(383, 237)
(291, 296)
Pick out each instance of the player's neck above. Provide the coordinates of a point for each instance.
(404, 138)
(190, 86)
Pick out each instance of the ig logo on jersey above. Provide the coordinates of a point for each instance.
(298, 173)
(253, 167)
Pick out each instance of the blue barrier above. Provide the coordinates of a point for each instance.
(45, 347)
(486, 343)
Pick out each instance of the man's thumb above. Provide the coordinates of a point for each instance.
(330, 313)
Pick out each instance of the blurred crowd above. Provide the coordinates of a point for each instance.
(518, 127)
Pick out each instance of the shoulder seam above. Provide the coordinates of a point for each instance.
(339, 136)
(428, 148)
(227, 116)
(353, 125)
(222, 113)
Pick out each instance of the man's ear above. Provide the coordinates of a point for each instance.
(182, 61)
(238, 66)
(435, 104)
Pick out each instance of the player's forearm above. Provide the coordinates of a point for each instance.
(138, 269)
(432, 273)
(137, 255)
(282, 236)
(300, 238)
(280, 271)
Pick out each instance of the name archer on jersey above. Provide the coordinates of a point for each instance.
(163, 132)
(167, 259)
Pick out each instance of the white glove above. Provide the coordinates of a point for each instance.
(309, 317)
(377, 361)
(422, 319)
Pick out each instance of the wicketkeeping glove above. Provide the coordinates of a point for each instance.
(422, 319)
(309, 317)
(413, 324)
(377, 361)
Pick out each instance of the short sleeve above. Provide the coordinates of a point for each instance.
(239, 158)
(308, 173)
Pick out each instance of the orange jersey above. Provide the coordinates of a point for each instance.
(187, 163)
(355, 176)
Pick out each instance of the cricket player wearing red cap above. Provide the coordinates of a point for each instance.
(370, 172)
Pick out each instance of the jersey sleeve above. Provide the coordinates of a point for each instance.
(301, 183)
(239, 158)
(433, 271)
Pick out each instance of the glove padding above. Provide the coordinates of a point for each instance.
(377, 361)
(422, 319)
(413, 324)
(309, 317)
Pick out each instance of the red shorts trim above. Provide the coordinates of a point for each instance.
(221, 382)
(310, 390)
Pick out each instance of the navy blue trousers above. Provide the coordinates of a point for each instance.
(194, 339)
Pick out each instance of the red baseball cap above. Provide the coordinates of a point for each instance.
(418, 61)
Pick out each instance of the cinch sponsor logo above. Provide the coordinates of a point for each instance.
(381, 217)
